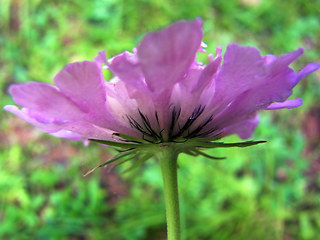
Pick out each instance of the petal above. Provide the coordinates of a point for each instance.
(45, 124)
(267, 84)
(166, 55)
(89, 131)
(125, 66)
(244, 128)
(75, 130)
(238, 73)
(84, 84)
(44, 98)
(309, 68)
(67, 134)
(291, 103)
(101, 58)
(284, 61)
(209, 71)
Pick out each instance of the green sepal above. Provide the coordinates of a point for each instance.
(129, 138)
(121, 161)
(141, 150)
(207, 155)
(115, 158)
(140, 160)
(116, 144)
(227, 145)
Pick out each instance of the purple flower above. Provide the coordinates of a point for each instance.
(160, 93)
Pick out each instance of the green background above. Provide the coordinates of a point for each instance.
(269, 191)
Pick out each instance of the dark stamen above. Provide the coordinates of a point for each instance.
(151, 135)
(194, 116)
(147, 125)
(196, 131)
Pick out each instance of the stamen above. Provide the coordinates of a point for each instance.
(151, 135)
(147, 124)
(196, 131)
(194, 116)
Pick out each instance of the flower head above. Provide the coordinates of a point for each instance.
(160, 93)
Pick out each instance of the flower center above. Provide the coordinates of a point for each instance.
(191, 127)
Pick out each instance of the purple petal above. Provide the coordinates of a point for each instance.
(101, 58)
(238, 73)
(125, 66)
(89, 131)
(265, 85)
(84, 84)
(244, 128)
(284, 61)
(44, 98)
(69, 135)
(209, 71)
(166, 55)
(309, 68)
(291, 103)
(46, 125)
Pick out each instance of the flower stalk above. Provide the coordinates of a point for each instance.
(168, 162)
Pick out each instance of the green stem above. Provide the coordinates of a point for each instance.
(168, 162)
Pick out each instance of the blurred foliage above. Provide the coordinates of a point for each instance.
(265, 192)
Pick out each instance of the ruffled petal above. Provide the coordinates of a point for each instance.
(101, 58)
(273, 84)
(125, 66)
(209, 71)
(241, 66)
(83, 83)
(166, 55)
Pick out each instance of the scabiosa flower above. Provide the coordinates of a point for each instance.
(161, 101)
(160, 93)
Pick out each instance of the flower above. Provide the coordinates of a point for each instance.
(160, 93)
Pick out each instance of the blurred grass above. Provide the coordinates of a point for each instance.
(265, 192)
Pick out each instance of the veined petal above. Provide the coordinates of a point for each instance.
(46, 125)
(83, 83)
(267, 82)
(166, 55)
(238, 73)
(126, 67)
(45, 98)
